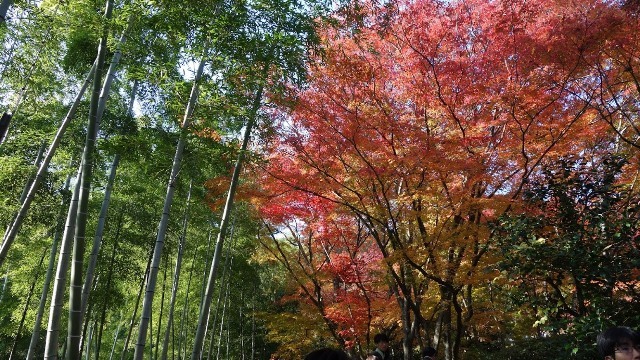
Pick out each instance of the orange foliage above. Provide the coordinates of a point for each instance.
(208, 133)
(420, 126)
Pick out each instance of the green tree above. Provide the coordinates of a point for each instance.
(572, 251)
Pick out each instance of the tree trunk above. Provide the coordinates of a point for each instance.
(253, 324)
(64, 348)
(35, 336)
(4, 8)
(26, 306)
(164, 288)
(36, 163)
(57, 298)
(164, 221)
(111, 72)
(228, 347)
(33, 284)
(108, 286)
(5, 121)
(102, 103)
(202, 318)
(204, 277)
(176, 279)
(97, 242)
(135, 309)
(182, 343)
(14, 227)
(437, 331)
(115, 338)
(96, 345)
(406, 327)
(225, 270)
(88, 350)
(132, 101)
(75, 287)
(241, 326)
(87, 316)
(445, 334)
(225, 305)
(174, 291)
(151, 335)
(4, 284)
(204, 273)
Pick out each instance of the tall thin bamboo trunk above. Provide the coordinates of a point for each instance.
(4, 8)
(225, 305)
(164, 221)
(57, 298)
(151, 335)
(96, 345)
(228, 347)
(5, 121)
(6, 278)
(111, 72)
(64, 348)
(115, 337)
(253, 324)
(13, 228)
(33, 284)
(241, 322)
(103, 316)
(35, 336)
(228, 264)
(74, 331)
(202, 319)
(88, 350)
(87, 316)
(135, 309)
(176, 278)
(101, 106)
(203, 283)
(164, 288)
(4, 284)
(182, 343)
(207, 255)
(108, 287)
(225, 278)
(26, 306)
(215, 319)
(36, 163)
(130, 112)
(132, 100)
(97, 241)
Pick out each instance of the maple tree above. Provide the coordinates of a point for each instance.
(425, 120)
(616, 79)
(336, 284)
(461, 174)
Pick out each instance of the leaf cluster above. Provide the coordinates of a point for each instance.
(573, 253)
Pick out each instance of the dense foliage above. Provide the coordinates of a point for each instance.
(461, 174)
(423, 124)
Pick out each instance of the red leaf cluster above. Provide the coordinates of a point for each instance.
(422, 122)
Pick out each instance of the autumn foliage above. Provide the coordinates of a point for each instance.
(422, 123)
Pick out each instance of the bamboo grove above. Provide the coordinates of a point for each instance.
(255, 179)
